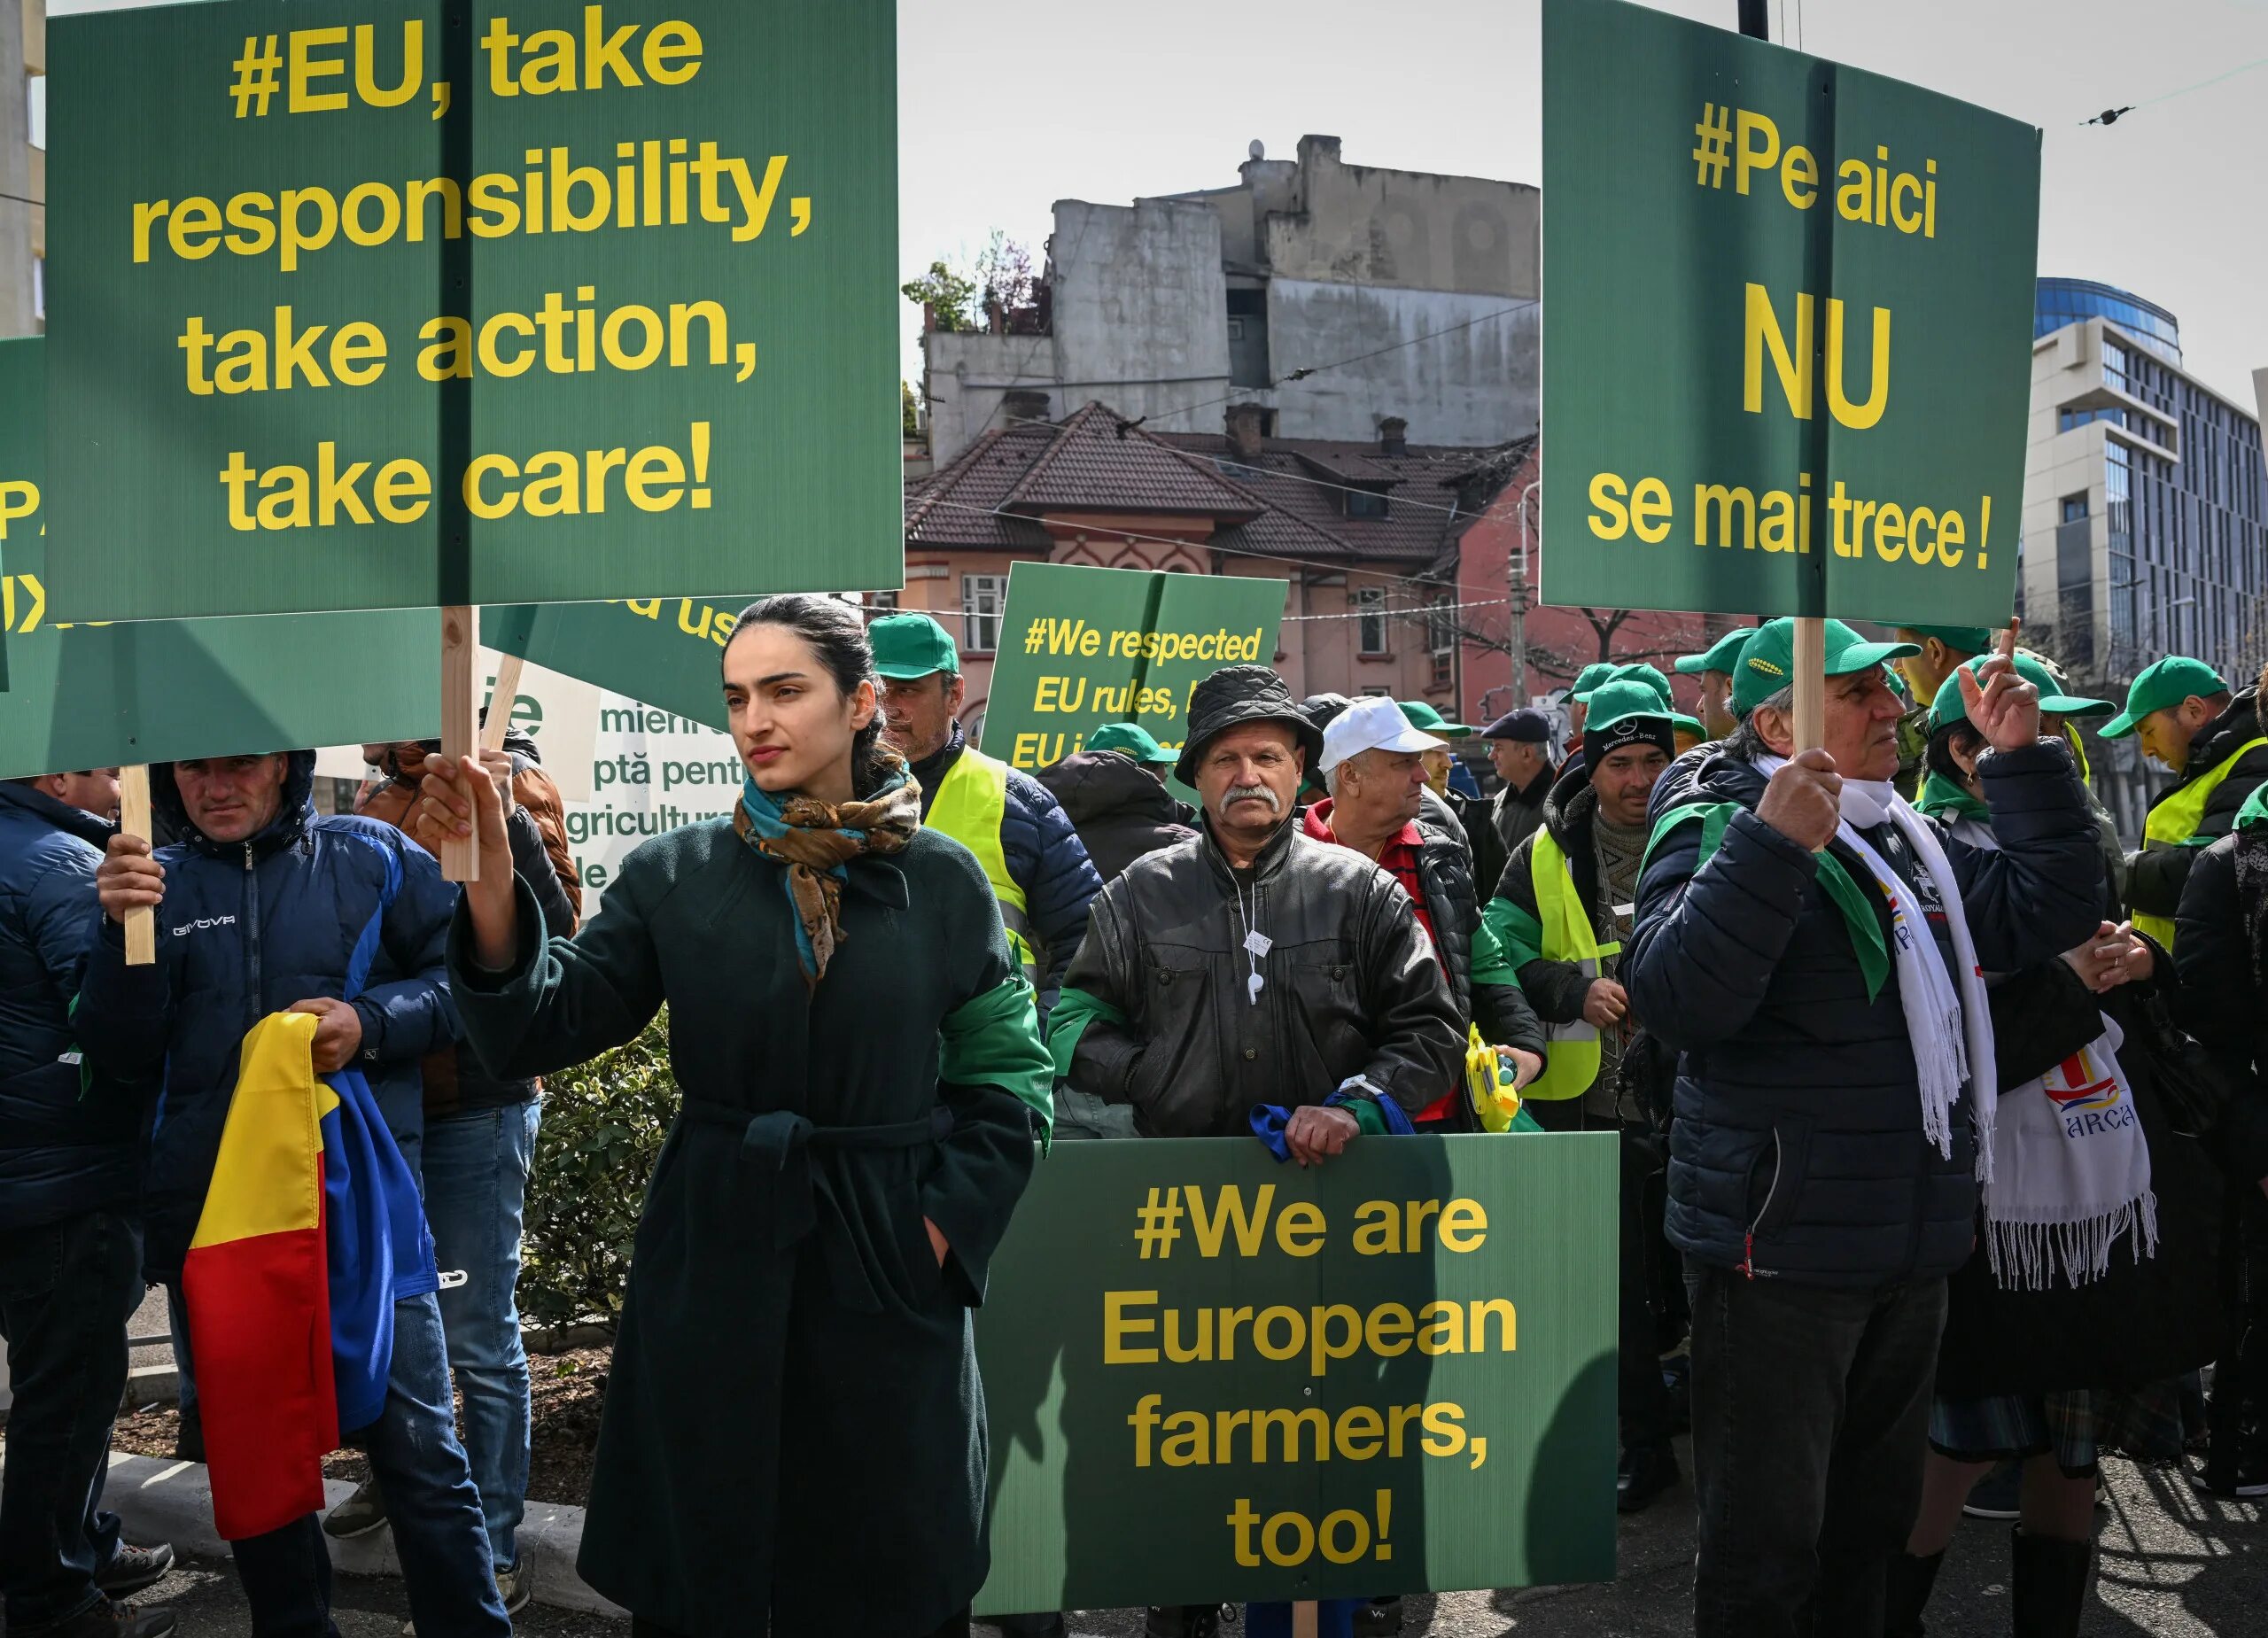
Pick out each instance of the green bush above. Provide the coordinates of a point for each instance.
(603, 1122)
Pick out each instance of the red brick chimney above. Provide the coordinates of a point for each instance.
(1246, 425)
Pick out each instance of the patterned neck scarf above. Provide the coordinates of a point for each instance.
(815, 839)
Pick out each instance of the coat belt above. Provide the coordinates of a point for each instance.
(780, 1141)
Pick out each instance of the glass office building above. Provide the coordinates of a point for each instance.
(2146, 508)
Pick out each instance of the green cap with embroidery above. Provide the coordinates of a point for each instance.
(907, 645)
(2168, 682)
(1130, 739)
(1767, 663)
(1721, 655)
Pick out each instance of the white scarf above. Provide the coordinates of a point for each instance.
(1948, 1018)
(2074, 1176)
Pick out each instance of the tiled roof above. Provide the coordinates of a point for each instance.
(1289, 501)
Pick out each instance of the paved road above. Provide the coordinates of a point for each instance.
(2174, 1566)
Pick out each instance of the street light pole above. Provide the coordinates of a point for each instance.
(1515, 578)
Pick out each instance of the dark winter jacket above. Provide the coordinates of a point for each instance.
(1118, 806)
(1515, 814)
(1045, 859)
(1483, 846)
(2154, 875)
(69, 1142)
(2222, 939)
(2145, 1319)
(1349, 988)
(1797, 1150)
(311, 907)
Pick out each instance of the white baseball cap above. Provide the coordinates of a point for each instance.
(1372, 723)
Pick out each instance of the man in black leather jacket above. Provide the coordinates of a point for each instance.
(1255, 964)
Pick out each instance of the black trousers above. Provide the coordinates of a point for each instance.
(1811, 1418)
(66, 1291)
(2238, 1416)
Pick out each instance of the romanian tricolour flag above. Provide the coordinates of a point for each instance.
(311, 1227)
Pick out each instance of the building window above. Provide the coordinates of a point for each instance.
(2075, 507)
(2069, 420)
(981, 596)
(882, 602)
(2117, 365)
(1366, 503)
(1369, 606)
(1441, 639)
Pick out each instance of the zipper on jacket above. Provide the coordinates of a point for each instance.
(252, 940)
(1748, 1246)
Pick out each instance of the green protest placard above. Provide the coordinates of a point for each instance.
(1211, 1377)
(424, 304)
(665, 651)
(90, 696)
(1786, 345)
(1083, 647)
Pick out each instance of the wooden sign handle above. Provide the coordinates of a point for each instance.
(1811, 683)
(460, 720)
(134, 820)
(1306, 1618)
(501, 700)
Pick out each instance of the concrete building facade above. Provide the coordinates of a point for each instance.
(1331, 296)
(2144, 510)
(23, 167)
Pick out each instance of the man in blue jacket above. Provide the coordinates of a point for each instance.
(70, 1239)
(1029, 849)
(263, 907)
(1823, 1170)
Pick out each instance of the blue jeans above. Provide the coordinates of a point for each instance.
(66, 1291)
(429, 1499)
(476, 1168)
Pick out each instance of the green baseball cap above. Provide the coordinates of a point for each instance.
(1949, 706)
(1960, 639)
(1624, 710)
(1132, 740)
(1690, 724)
(1722, 654)
(1590, 678)
(1426, 720)
(1640, 671)
(2168, 682)
(1767, 663)
(907, 645)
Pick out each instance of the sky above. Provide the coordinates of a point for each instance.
(1001, 114)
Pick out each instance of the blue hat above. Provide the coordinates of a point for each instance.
(1527, 724)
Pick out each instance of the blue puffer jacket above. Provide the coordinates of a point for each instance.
(1798, 1151)
(69, 1143)
(312, 907)
(1045, 859)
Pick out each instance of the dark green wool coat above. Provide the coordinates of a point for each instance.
(794, 1418)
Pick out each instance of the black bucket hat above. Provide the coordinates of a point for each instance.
(1232, 697)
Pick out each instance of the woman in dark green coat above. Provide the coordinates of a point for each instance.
(794, 1428)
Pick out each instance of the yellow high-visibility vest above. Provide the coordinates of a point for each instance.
(1574, 1059)
(969, 807)
(2173, 823)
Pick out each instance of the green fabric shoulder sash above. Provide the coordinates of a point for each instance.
(1850, 900)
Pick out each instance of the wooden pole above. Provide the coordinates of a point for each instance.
(460, 719)
(501, 699)
(1811, 682)
(1306, 1618)
(134, 820)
